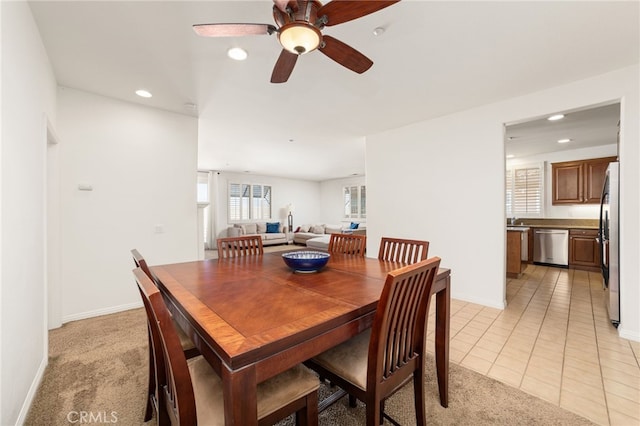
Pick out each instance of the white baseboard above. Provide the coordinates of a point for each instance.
(100, 312)
(629, 335)
(479, 301)
(26, 405)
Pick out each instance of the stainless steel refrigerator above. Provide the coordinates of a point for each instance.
(609, 240)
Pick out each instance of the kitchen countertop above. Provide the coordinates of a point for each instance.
(553, 223)
(557, 226)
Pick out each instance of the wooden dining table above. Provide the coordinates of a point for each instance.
(253, 317)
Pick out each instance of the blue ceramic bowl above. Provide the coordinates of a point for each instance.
(306, 261)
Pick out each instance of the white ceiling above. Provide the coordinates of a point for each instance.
(586, 128)
(435, 58)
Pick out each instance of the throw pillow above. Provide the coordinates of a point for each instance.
(332, 230)
(354, 225)
(250, 229)
(273, 228)
(317, 229)
(262, 228)
(297, 229)
(305, 228)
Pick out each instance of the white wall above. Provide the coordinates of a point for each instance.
(314, 202)
(332, 200)
(141, 163)
(303, 194)
(28, 96)
(448, 174)
(587, 211)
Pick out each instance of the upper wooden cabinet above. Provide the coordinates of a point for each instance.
(579, 182)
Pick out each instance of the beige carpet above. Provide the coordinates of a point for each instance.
(98, 368)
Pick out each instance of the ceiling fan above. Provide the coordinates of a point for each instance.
(299, 30)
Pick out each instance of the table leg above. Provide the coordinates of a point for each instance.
(240, 399)
(443, 304)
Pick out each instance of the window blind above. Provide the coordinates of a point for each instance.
(249, 202)
(355, 202)
(524, 191)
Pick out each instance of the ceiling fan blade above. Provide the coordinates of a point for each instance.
(284, 66)
(339, 11)
(282, 5)
(345, 55)
(233, 30)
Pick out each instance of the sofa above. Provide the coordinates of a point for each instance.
(272, 233)
(307, 232)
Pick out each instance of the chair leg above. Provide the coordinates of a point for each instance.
(308, 415)
(373, 413)
(419, 395)
(148, 413)
(382, 412)
(353, 401)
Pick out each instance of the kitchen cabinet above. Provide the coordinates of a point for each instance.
(578, 182)
(584, 251)
(515, 265)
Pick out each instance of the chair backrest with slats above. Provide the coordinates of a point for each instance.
(141, 263)
(177, 401)
(403, 250)
(246, 245)
(398, 332)
(347, 244)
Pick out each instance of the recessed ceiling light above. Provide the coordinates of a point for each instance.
(143, 93)
(556, 117)
(510, 156)
(190, 106)
(378, 31)
(237, 53)
(564, 140)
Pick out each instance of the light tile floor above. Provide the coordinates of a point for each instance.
(554, 341)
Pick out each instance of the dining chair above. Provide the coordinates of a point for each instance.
(376, 363)
(246, 245)
(347, 244)
(403, 250)
(191, 391)
(186, 343)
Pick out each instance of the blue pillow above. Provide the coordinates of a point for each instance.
(354, 225)
(273, 228)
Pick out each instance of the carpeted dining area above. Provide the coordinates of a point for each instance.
(98, 367)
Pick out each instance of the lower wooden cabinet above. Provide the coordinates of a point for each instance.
(584, 251)
(515, 265)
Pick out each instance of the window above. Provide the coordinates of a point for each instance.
(203, 199)
(249, 202)
(203, 187)
(524, 191)
(355, 202)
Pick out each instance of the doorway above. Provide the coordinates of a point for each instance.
(532, 146)
(52, 203)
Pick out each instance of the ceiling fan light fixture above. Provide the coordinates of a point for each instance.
(299, 37)
(556, 117)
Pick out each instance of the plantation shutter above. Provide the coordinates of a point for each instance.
(249, 202)
(524, 191)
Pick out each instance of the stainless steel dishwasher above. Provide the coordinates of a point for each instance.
(551, 247)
